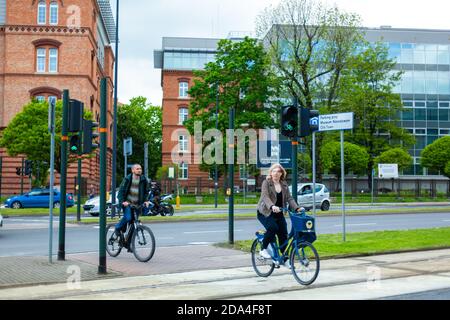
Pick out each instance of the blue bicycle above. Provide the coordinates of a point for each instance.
(303, 258)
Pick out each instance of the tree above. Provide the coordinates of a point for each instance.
(367, 91)
(239, 78)
(436, 156)
(395, 155)
(143, 123)
(309, 45)
(27, 134)
(355, 158)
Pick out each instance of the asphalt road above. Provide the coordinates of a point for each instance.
(30, 236)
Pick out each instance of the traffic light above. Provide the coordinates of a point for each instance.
(28, 167)
(89, 136)
(289, 121)
(309, 122)
(75, 144)
(75, 115)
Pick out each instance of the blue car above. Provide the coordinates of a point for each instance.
(38, 198)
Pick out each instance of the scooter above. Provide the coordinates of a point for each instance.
(163, 207)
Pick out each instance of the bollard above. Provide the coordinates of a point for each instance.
(178, 200)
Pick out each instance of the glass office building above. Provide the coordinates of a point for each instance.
(424, 57)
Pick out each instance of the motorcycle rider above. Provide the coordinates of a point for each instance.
(155, 195)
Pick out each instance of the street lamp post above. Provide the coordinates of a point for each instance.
(114, 151)
(244, 126)
(216, 178)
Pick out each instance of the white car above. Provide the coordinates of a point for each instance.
(92, 206)
(1, 221)
(305, 196)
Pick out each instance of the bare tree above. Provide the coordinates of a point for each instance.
(309, 45)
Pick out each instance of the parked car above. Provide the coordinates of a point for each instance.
(305, 196)
(38, 198)
(92, 206)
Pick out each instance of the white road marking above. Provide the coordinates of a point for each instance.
(212, 231)
(355, 224)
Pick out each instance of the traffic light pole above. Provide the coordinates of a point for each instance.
(79, 182)
(294, 167)
(230, 155)
(63, 177)
(102, 216)
(21, 178)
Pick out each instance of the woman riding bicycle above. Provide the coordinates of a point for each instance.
(274, 195)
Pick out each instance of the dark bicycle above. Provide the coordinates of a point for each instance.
(303, 258)
(137, 238)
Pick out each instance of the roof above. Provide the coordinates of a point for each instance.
(108, 19)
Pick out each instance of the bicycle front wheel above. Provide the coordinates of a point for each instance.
(263, 267)
(113, 247)
(143, 243)
(305, 263)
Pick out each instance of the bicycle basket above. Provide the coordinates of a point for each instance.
(303, 223)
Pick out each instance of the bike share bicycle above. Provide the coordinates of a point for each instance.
(303, 258)
(137, 238)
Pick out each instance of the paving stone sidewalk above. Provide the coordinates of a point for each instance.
(25, 271)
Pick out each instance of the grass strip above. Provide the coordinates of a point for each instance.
(371, 243)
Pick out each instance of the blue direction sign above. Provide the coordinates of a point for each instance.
(274, 152)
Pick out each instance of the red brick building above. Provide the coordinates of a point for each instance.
(47, 46)
(177, 59)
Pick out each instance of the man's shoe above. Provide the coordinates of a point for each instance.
(287, 264)
(265, 254)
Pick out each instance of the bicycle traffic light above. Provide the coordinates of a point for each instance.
(89, 136)
(75, 144)
(75, 115)
(28, 167)
(309, 122)
(289, 121)
(18, 171)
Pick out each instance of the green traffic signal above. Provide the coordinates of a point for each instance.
(75, 142)
(289, 121)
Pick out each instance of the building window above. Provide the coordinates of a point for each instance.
(182, 115)
(53, 12)
(39, 98)
(52, 99)
(41, 53)
(53, 60)
(183, 143)
(183, 89)
(42, 12)
(183, 171)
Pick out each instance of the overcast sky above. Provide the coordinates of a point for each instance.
(143, 23)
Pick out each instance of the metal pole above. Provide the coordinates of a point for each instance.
(52, 178)
(216, 171)
(295, 156)
(373, 172)
(230, 156)
(103, 158)
(21, 178)
(79, 183)
(63, 177)
(343, 184)
(114, 147)
(146, 159)
(314, 171)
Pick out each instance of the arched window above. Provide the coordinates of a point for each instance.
(183, 89)
(182, 115)
(42, 13)
(53, 60)
(53, 17)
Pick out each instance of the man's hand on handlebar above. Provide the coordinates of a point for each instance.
(147, 203)
(125, 203)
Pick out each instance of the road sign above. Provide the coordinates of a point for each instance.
(387, 170)
(273, 154)
(337, 121)
(251, 182)
(128, 146)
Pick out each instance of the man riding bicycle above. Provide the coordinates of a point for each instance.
(133, 192)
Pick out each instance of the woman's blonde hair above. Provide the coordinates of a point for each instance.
(276, 165)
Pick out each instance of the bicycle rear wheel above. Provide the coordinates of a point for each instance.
(263, 267)
(305, 263)
(113, 247)
(143, 243)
